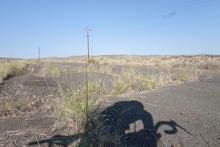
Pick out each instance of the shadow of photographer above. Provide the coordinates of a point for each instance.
(124, 124)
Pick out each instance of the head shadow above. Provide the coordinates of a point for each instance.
(123, 124)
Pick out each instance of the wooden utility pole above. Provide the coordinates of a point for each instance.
(39, 54)
(87, 36)
(87, 82)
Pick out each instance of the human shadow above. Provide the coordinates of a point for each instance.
(124, 124)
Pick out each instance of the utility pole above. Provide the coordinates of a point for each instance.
(87, 36)
(87, 82)
(39, 54)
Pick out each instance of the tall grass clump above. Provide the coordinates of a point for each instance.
(183, 74)
(120, 85)
(51, 70)
(11, 68)
(73, 110)
(148, 82)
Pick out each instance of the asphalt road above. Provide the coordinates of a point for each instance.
(195, 106)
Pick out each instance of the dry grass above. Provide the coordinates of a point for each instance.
(130, 78)
(148, 83)
(184, 73)
(120, 85)
(15, 107)
(140, 60)
(12, 68)
(51, 70)
(178, 69)
(156, 61)
(72, 108)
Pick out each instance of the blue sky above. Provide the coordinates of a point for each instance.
(118, 27)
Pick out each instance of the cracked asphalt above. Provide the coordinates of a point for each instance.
(194, 106)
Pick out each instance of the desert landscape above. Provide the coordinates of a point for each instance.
(126, 101)
(109, 73)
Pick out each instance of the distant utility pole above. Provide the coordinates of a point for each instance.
(39, 54)
(87, 35)
(87, 82)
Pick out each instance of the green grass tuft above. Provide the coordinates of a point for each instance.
(120, 85)
(148, 82)
(72, 108)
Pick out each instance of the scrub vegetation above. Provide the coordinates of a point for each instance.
(10, 68)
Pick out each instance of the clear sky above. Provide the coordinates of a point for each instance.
(118, 27)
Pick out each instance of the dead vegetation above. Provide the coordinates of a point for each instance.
(50, 70)
(141, 60)
(10, 68)
(16, 107)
